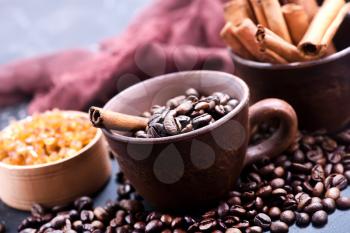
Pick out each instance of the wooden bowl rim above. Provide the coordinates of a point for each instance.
(291, 66)
(92, 143)
(192, 134)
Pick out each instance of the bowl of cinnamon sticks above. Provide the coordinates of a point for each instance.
(296, 50)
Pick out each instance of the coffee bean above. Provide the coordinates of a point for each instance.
(166, 219)
(78, 225)
(336, 180)
(234, 201)
(328, 205)
(154, 226)
(338, 168)
(131, 205)
(274, 212)
(302, 219)
(335, 157)
(28, 230)
(201, 120)
(238, 210)
(347, 175)
(343, 203)
(83, 203)
(329, 144)
(86, 216)
(97, 224)
(318, 189)
(174, 102)
(184, 108)
(37, 210)
(279, 227)
(333, 193)
(192, 91)
(277, 183)
(254, 229)
(288, 217)
(313, 207)
(298, 167)
(314, 155)
(233, 230)
(303, 201)
(279, 172)
(219, 109)
(233, 103)
(207, 224)
(317, 173)
(264, 191)
(178, 222)
(319, 218)
(223, 209)
(262, 220)
(101, 214)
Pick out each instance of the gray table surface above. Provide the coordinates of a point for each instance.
(33, 27)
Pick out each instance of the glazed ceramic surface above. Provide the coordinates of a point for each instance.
(198, 167)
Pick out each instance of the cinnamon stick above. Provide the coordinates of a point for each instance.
(333, 28)
(101, 118)
(231, 40)
(270, 40)
(275, 19)
(310, 6)
(297, 21)
(312, 42)
(235, 11)
(259, 12)
(245, 33)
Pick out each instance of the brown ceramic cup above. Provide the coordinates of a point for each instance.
(195, 168)
(319, 91)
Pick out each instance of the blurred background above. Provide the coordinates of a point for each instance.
(34, 27)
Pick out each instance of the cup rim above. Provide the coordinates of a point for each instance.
(191, 134)
(93, 142)
(294, 65)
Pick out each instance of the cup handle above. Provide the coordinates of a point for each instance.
(284, 135)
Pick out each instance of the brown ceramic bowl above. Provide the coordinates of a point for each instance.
(198, 167)
(59, 182)
(318, 90)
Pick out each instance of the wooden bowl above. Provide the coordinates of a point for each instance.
(59, 182)
(318, 90)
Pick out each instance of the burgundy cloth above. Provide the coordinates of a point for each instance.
(169, 36)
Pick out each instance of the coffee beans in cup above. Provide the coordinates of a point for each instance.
(185, 113)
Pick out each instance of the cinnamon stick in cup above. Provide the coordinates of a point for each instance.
(237, 10)
(333, 28)
(245, 33)
(116, 121)
(310, 6)
(275, 19)
(311, 44)
(270, 40)
(297, 21)
(259, 12)
(231, 40)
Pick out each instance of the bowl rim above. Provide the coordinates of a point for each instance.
(93, 142)
(293, 65)
(181, 137)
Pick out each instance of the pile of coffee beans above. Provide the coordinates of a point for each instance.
(302, 186)
(185, 113)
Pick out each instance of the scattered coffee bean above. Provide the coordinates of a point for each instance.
(233, 230)
(262, 220)
(319, 218)
(268, 189)
(302, 219)
(288, 217)
(333, 193)
(154, 226)
(279, 227)
(343, 203)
